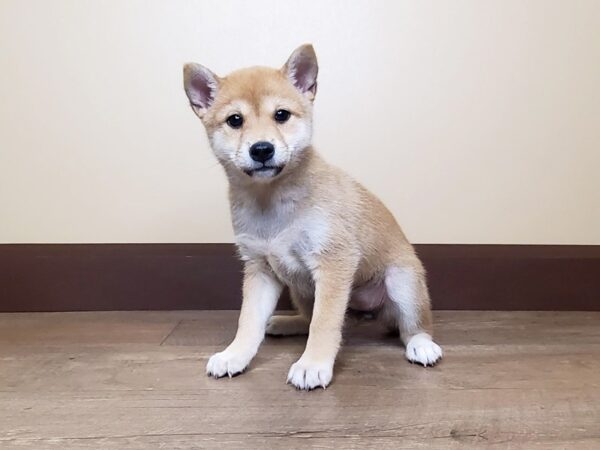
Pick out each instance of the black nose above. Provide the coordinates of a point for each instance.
(262, 151)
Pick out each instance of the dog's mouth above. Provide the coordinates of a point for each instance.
(264, 171)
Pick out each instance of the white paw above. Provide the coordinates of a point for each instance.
(306, 374)
(422, 350)
(226, 363)
(287, 325)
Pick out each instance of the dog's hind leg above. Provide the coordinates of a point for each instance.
(297, 324)
(408, 310)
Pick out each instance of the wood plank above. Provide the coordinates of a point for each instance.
(98, 328)
(172, 368)
(451, 327)
(471, 415)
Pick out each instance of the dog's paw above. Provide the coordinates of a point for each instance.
(306, 374)
(287, 325)
(226, 363)
(422, 350)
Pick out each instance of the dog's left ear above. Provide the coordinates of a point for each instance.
(302, 69)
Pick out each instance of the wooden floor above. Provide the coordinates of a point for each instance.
(135, 380)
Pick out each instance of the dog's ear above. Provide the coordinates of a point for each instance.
(200, 86)
(302, 69)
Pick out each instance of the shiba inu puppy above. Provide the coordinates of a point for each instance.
(302, 223)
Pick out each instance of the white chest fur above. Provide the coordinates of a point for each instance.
(286, 238)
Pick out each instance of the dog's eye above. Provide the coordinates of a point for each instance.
(235, 121)
(282, 115)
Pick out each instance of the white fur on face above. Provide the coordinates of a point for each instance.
(232, 146)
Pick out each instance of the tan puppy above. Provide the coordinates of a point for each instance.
(301, 223)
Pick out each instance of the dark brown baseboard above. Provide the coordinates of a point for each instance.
(92, 277)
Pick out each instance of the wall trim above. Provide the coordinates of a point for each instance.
(92, 277)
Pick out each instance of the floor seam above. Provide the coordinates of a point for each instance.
(170, 332)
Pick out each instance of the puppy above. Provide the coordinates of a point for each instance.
(302, 223)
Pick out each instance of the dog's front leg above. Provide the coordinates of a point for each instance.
(333, 283)
(260, 294)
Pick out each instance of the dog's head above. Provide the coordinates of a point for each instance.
(259, 119)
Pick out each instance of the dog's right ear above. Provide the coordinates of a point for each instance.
(201, 86)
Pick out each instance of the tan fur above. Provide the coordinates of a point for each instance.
(311, 227)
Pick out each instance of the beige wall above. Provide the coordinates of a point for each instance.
(476, 121)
